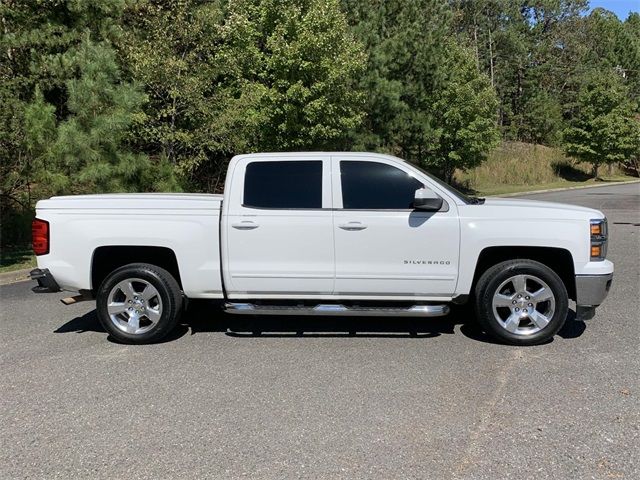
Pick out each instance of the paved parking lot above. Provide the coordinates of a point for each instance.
(327, 398)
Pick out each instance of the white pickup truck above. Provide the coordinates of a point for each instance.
(324, 234)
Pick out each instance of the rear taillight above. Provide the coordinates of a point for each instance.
(40, 236)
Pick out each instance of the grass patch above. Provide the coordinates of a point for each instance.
(520, 167)
(15, 259)
(503, 189)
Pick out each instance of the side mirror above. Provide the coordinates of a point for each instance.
(427, 200)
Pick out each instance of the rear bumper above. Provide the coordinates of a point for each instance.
(46, 282)
(591, 290)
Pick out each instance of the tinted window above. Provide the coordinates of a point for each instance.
(283, 185)
(372, 185)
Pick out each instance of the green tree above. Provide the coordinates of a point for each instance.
(465, 107)
(87, 147)
(632, 34)
(633, 162)
(29, 32)
(405, 47)
(614, 45)
(542, 120)
(193, 59)
(311, 60)
(242, 76)
(531, 51)
(73, 108)
(603, 129)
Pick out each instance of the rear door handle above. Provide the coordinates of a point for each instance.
(352, 226)
(245, 225)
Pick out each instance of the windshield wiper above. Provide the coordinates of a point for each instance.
(476, 200)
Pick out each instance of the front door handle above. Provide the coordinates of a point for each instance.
(245, 225)
(352, 226)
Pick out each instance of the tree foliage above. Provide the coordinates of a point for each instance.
(464, 107)
(530, 50)
(87, 146)
(310, 62)
(404, 42)
(242, 76)
(77, 109)
(192, 67)
(603, 130)
(542, 56)
(144, 95)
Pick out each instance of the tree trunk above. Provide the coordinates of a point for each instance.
(475, 42)
(491, 59)
(594, 171)
(447, 173)
(170, 147)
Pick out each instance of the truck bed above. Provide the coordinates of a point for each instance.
(129, 201)
(187, 224)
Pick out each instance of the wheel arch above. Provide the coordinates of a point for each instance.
(106, 259)
(559, 260)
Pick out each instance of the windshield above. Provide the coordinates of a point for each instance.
(457, 193)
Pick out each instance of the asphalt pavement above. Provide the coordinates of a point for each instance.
(281, 398)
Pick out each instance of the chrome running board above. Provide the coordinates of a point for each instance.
(337, 310)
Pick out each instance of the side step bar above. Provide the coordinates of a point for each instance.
(338, 310)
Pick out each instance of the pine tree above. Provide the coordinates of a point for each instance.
(632, 42)
(532, 52)
(405, 47)
(81, 141)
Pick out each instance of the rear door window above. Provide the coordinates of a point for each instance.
(283, 184)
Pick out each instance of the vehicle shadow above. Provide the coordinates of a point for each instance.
(570, 329)
(199, 319)
(86, 323)
(203, 317)
(89, 323)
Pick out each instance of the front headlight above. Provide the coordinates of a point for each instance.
(599, 233)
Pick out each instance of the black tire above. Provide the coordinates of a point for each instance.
(494, 277)
(170, 301)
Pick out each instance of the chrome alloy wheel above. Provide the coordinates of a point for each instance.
(134, 306)
(523, 304)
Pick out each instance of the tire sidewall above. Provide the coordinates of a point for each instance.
(494, 277)
(153, 275)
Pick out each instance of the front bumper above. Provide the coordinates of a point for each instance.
(46, 282)
(591, 290)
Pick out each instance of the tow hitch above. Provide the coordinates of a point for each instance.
(46, 282)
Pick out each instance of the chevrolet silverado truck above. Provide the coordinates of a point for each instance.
(324, 234)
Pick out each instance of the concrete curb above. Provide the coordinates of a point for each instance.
(15, 276)
(580, 187)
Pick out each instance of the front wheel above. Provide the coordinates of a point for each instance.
(521, 302)
(139, 303)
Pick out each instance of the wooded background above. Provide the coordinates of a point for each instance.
(123, 95)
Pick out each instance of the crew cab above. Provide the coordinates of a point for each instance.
(324, 234)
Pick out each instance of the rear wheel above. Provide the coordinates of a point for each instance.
(521, 302)
(139, 303)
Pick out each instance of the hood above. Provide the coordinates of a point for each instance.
(552, 207)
